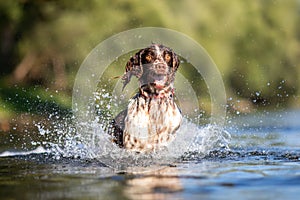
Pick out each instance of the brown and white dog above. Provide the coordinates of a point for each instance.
(152, 117)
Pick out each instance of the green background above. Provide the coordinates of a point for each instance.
(255, 44)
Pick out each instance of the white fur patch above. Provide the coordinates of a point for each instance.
(150, 124)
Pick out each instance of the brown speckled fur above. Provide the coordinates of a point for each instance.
(152, 117)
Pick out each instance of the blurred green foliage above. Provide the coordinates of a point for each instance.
(255, 44)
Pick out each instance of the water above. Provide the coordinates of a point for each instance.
(255, 157)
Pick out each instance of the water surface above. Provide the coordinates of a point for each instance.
(260, 161)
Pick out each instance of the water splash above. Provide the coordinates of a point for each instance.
(38, 150)
(61, 136)
(89, 140)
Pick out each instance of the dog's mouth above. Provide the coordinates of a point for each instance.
(158, 81)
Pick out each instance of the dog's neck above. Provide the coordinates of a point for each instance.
(151, 91)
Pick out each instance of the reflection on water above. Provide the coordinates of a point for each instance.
(262, 161)
(160, 184)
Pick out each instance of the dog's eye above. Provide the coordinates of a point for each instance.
(167, 57)
(148, 57)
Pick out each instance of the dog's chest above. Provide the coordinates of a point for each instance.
(150, 123)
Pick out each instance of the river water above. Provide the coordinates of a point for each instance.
(256, 156)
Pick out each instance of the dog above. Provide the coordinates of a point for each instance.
(152, 117)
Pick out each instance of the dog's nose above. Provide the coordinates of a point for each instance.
(160, 66)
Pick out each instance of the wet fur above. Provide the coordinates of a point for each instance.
(152, 117)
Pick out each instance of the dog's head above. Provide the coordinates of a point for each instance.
(154, 66)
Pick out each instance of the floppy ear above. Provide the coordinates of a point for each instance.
(176, 62)
(133, 67)
(175, 65)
